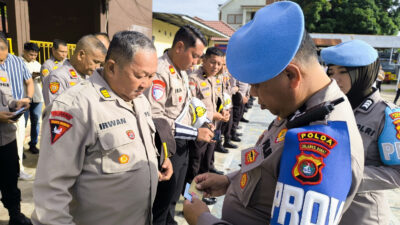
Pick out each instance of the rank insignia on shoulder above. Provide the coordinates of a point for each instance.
(171, 69)
(105, 93)
(3, 79)
(123, 159)
(367, 104)
(281, 136)
(57, 129)
(130, 134)
(73, 73)
(158, 89)
(72, 83)
(54, 87)
(55, 67)
(45, 72)
(243, 180)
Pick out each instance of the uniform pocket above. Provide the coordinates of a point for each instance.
(119, 149)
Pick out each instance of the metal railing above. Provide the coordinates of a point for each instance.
(10, 46)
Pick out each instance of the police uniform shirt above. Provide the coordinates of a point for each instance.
(250, 195)
(205, 89)
(98, 160)
(168, 97)
(7, 130)
(50, 65)
(59, 80)
(369, 205)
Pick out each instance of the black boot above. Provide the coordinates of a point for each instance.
(17, 218)
(229, 144)
(220, 148)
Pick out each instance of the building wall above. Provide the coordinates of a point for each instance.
(235, 7)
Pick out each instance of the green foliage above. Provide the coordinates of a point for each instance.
(352, 16)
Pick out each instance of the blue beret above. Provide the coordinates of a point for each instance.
(351, 53)
(262, 48)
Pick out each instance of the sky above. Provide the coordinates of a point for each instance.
(205, 9)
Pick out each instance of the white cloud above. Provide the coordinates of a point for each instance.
(205, 9)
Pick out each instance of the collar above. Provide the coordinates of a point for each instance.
(328, 93)
(68, 64)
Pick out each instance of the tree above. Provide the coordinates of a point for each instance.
(352, 16)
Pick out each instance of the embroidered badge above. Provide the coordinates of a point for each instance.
(308, 169)
(281, 136)
(243, 180)
(55, 67)
(72, 83)
(54, 87)
(45, 72)
(397, 127)
(3, 79)
(203, 84)
(123, 159)
(57, 129)
(158, 89)
(130, 134)
(250, 156)
(218, 81)
(200, 111)
(319, 137)
(367, 104)
(104, 92)
(62, 114)
(171, 69)
(314, 147)
(73, 73)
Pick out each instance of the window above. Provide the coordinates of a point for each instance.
(235, 18)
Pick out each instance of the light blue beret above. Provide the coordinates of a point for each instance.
(262, 48)
(351, 53)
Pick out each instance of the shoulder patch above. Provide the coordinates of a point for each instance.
(158, 89)
(251, 158)
(389, 139)
(57, 129)
(243, 180)
(54, 87)
(367, 104)
(73, 74)
(171, 69)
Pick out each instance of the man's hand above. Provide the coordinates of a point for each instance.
(205, 134)
(25, 102)
(226, 115)
(213, 185)
(5, 117)
(218, 116)
(167, 170)
(192, 210)
(245, 99)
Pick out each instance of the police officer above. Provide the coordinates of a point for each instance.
(88, 56)
(59, 55)
(169, 97)
(355, 67)
(98, 162)
(207, 87)
(312, 155)
(9, 165)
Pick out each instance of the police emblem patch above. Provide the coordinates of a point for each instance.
(57, 129)
(123, 159)
(250, 156)
(130, 134)
(281, 136)
(54, 87)
(105, 93)
(45, 72)
(158, 89)
(73, 73)
(308, 169)
(3, 79)
(171, 69)
(243, 180)
(200, 111)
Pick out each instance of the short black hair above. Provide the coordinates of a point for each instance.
(102, 34)
(58, 42)
(307, 49)
(28, 46)
(125, 44)
(188, 34)
(3, 38)
(214, 51)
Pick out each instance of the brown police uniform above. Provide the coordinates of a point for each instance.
(250, 200)
(59, 80)
(98, 161)
(169, 98)
(369, 205)
(50, 65)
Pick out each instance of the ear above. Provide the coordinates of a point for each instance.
(294, 74)
(81, 55)
(179, 47)
(110, 66)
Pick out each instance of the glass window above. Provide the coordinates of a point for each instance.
(231, 19)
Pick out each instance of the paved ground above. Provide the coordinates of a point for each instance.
(259, 121)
